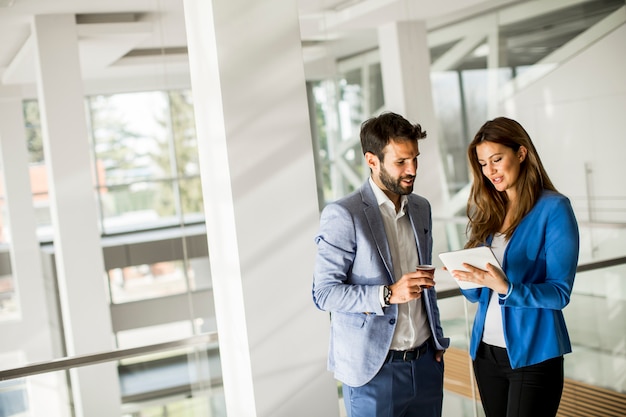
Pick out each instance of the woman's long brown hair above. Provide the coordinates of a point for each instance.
(486, 207)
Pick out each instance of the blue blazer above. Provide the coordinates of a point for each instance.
(540, 262)
(353, 261)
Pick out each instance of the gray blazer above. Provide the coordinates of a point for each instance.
(353, 261)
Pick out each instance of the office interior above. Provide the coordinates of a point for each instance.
(164, 163)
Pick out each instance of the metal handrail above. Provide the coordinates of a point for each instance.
(601, 264)
(95, 358)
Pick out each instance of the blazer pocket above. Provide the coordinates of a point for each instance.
(356, 320)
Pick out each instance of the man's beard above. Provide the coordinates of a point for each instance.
(394, 185)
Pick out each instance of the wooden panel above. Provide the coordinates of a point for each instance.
(458, 375)
(583, 400)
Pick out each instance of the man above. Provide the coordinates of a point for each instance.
(386, 343)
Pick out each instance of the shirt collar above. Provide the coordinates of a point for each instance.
(381, 197)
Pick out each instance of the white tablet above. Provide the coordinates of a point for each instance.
(478, 257)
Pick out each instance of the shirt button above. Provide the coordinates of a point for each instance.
(392, 321)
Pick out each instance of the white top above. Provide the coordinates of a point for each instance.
(412, 327)
(493, 333)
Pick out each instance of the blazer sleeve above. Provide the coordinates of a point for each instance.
(334, 286)
(472, 294)
(545, 260)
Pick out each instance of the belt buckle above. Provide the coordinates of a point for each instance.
(404, 355)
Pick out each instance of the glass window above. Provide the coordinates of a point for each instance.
(341, 105)
(376, 94)
(142, 204)
(9, 308)
(326, 129)
(14, 397)
(191, 201)
(146, 165)
(447, 104)
(146, 159)
(140, 282)
(200, 274)
(161, 333)
(130, 138)
(189, 191)
(37, 170)
(147, 281)
(351, 102)
(8, 299)
(184, 133)
(34, 137)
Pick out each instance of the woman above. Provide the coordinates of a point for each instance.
(519, 335)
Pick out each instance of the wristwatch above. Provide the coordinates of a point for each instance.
(387, 295)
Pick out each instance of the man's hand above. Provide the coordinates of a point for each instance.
(410, 286)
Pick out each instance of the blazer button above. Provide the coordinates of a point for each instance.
(392, 321)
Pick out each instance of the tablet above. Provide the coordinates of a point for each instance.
(478, 257)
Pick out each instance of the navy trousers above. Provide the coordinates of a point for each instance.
(402, 388)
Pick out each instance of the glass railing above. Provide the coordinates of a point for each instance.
(183, 378)
(180, 378)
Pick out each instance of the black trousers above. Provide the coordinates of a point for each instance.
(530, 391)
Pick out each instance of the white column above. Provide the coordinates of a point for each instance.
(260, 199)
(30, 332)
(80, 266)
(405, 65)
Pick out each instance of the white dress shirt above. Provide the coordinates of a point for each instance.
(494, 331)
(412, 328)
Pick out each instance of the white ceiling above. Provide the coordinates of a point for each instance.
(122, 39)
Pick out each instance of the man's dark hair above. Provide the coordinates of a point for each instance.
(376, 132)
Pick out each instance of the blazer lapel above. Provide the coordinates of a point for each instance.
(420, 230)
(377, 227)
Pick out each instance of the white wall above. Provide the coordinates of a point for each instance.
(575, 115)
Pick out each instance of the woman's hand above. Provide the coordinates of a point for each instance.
(490, 277)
